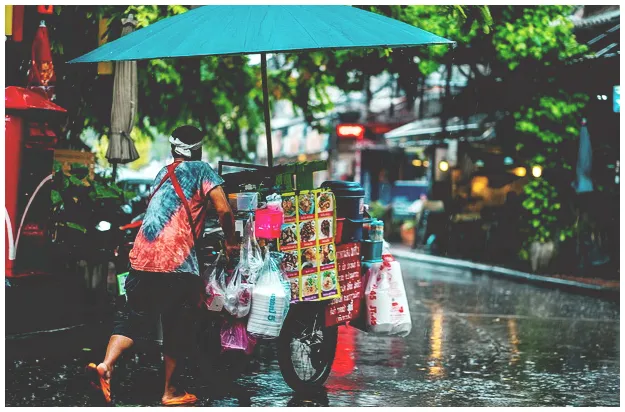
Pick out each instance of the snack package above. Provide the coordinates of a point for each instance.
(387, 305)
(270, 300)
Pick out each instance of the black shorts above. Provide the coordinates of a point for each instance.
(172, 296)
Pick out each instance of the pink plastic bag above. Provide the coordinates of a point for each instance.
(234, 336)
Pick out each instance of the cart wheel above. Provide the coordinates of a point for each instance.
(306, 349)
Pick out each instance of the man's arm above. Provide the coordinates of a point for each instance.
(226, 217)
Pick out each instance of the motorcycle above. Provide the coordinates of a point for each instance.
(305, 347)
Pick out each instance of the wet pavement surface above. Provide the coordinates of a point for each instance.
(476, 341)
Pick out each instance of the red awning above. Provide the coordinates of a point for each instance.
(18, 98)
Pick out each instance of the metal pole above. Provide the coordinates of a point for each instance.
(263, 69)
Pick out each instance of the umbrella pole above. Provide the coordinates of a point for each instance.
(263, 69)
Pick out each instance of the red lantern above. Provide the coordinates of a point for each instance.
(41, 76)
(45, 9)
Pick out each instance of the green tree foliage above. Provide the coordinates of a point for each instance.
(536, 41)
(221, 96)
(73, 186)
(304, 77)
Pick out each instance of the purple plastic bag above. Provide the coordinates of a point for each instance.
(234, 336)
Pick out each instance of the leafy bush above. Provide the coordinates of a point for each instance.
(75, 188)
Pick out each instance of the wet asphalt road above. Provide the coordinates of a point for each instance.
(476, 341)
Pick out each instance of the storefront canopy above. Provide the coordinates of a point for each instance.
(18, 98)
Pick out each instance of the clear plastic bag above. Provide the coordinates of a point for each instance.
(387, 304)
(238, 293)
(251, 255)
(386, 252)
(234, 337)
(270, 300)
(215, 296)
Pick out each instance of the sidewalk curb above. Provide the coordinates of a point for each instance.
(612, 293)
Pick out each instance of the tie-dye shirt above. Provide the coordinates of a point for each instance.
(165, 242)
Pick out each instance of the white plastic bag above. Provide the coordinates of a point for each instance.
(238, 294)
(270, 300)
(387, 305)
(213, 282)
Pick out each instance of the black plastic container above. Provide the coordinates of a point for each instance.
(370, 250)
(350, 204)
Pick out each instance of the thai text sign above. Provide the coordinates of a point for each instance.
(347, 306)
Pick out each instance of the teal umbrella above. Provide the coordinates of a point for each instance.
(231, 30)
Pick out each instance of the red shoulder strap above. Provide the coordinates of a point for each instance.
(185, 203)
(174, 181)
(170, 170)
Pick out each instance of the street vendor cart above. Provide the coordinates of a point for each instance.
(319, 270)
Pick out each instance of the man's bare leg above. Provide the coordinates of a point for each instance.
(169, 393)
(117, 345)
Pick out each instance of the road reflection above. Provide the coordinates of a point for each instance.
(514, 341)
(436, 369)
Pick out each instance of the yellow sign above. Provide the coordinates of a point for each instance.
(8, 20)
(307, 244)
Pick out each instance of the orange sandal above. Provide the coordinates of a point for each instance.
(94, 375)
(186, 399)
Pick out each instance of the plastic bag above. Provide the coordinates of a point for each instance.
(238, 293)
(386, 252)
(270, 300)
(387, 304)
(234, 336)
(274, 202)
(251, 255)
(213, 281)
